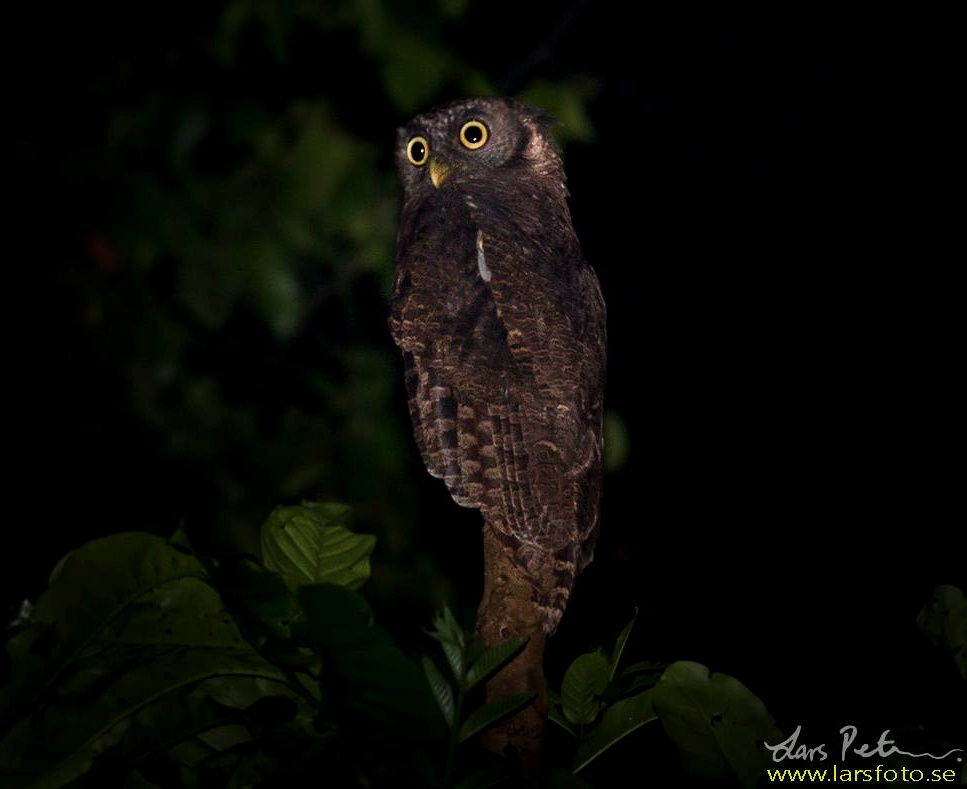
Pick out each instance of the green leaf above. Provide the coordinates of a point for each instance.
(495, 711)
(452, 639)
(944, 622)
(618, 721)
(584, 682)
(452, 628)
(644, 667)
(127, 621)
(180, 539)
(493, 659)
(361, 658)
(715, 722)
(641, 682)
(210, 714)
(88, 588)
(641, 675)
(442, 690)
(307, 544)
(619, 645)
(556, 715)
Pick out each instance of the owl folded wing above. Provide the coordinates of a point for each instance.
(488, 417)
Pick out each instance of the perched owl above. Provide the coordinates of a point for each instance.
(502, 327)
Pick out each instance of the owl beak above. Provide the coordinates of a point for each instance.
(438, 172)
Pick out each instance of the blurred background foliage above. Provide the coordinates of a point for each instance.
(228, 254)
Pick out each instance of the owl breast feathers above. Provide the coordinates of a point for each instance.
(502, 327)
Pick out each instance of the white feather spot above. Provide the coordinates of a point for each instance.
(485, 274)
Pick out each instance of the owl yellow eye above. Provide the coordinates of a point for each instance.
(417, 149)
(473, 135)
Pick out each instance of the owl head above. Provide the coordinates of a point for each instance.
(476, 145)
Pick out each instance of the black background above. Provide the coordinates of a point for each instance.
(767, 202)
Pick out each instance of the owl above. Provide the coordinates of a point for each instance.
(501, 323)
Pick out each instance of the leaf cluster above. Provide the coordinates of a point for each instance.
(599, 705)
(468, 664)
(145, 664)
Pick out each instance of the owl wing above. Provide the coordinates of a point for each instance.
(558, 340)
(456, 361)
(505, 391)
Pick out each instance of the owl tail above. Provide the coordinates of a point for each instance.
(539, 581)
(551, 597)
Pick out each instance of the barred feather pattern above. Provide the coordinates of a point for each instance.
(502, 328)
(491, 458)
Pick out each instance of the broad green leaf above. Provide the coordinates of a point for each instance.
(556, 715)
(617, 722)
(584, 682)
(715, 722)
(490, 713)
(306, 544)
(202, 713)
(247, 694)
(944, 622)
(145, 626)
(89, 588)
(493, 659)
(442, 690)
(619, 645)
(378, 681)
